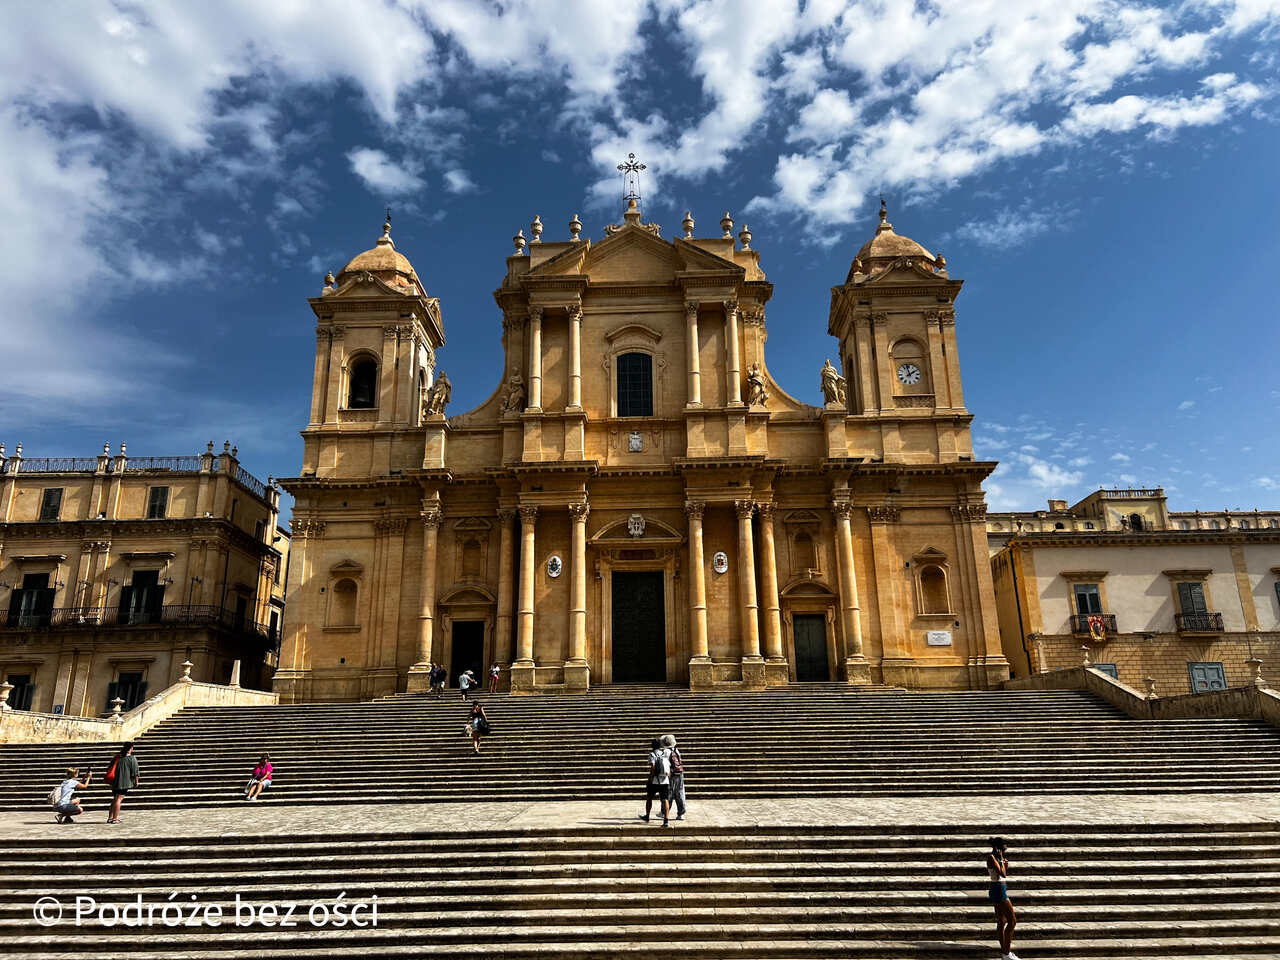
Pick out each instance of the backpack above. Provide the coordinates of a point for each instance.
(55, 796)
(662, 766)
(677, 765)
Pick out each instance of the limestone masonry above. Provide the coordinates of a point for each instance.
(665, 512)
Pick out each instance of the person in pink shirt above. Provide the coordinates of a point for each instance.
(261, 778)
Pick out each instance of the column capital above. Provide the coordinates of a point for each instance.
(884, 513)
(842, 509)
(575, 311)
(969, 512)
(535, 313)
(506, 514)
(691, 309)
(730, 305)
(430, 516)
(579, 511)
(744, 508)
(694, 509)
(765, 510)
(528, 513)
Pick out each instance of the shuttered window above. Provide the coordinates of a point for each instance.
(1088, 599)
(51, 503)
(1191, 598)
(157, 503)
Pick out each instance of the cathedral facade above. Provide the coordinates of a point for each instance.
(638, 500)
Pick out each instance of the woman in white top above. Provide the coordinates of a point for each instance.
(68, 804)
(998, 894)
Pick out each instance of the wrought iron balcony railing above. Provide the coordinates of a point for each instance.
(1080, 622)
(1198, 622)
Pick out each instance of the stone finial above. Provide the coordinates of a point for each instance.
(519, 241)
(226, 446)
(186, 671)
(208, 447)
(329, 281)
(726, 225)
(123, 448)
(106, 448)
(386, 230)
(1, 450)
(687, 223)
(1151, 688)
(5, 689)
(18, 450)
(744, 236)
(632, 213)
(1084, 650)
(575, 228)
(535, 230)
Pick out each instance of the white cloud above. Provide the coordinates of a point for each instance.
(1268, 483)
(1120, 457)
(1186, 404)
(1080, 461)
(829, 116)
(1128, 478)
(457, 181)
(381, 174)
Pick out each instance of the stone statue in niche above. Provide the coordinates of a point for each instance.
(833, 385)
(513, 398)
(757, 395)
(438, 396)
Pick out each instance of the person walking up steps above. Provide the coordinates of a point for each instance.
(478, 724)
(65, 803)
(998, 894)
(122, 776)
(659, 784)
(465, 683)
(494, 672)
(677, 776)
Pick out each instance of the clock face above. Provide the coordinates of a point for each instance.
(909, 373)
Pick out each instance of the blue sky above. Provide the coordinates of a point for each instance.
(177, 178)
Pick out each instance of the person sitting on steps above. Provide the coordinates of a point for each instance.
(998, 894)
(261, 778)
(68, 804)
(659, 783)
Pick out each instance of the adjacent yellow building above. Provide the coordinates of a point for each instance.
(115, 570)
(637, 500)
(1186, 599)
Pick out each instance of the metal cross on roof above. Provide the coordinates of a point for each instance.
(631, 178)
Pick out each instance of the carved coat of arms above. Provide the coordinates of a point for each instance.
(635, 525)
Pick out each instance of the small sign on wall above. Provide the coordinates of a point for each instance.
(554, 566)
(719, 562)
(938, 638)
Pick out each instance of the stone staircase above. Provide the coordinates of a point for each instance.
(790, 742)
(1152, 891)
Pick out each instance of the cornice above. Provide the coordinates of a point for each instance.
(1121, 538)
(115, 530)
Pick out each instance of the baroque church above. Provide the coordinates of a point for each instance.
(638, 500)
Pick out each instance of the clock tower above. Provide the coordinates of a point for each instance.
(895, 320)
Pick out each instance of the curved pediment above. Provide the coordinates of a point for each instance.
(806, 587)
(651, 532)
(471, 593)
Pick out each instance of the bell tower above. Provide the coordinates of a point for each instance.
(895, 320)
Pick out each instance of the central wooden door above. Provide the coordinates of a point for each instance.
(639, 627)
(468, 650)
(810, 632)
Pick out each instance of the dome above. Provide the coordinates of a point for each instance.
(885, 247)
(384, 261)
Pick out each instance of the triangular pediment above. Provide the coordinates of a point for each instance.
(632, 255)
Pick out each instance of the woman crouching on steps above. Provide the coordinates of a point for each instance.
(998, 894)
(477, 723)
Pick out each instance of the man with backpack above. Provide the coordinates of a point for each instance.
(122, 776)
(659, 784)
(63, 797)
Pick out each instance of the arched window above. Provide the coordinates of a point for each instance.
(344, 604)
(806, 556)
(1135, 522)
(422, 387)
(1184, 525)
(1059, 525)
(362, 384)
(1274, 524)
(635, 385)
(933, 590)
(1217, 524)
(909, 370)
(1088, 524)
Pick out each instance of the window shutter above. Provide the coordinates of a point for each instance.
(1191, 598)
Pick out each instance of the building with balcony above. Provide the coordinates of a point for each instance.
(1186, 598)
(115, 570)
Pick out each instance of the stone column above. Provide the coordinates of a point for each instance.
(700, 670)
(856, 668)
(535, 358)
(419, 679)
(506, 556)
(575, 358)
(776, 667)
(522, 667)
(733, 373)
(752, 662)
(577, 673)
(695, 362)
